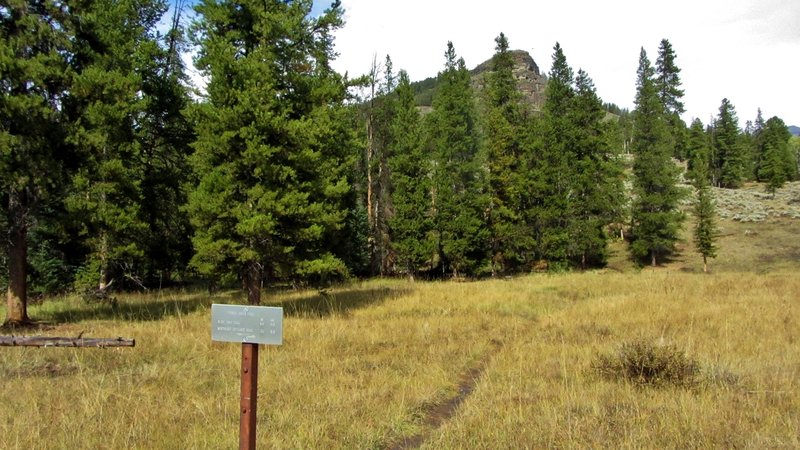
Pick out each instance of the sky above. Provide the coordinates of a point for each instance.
(747, 51)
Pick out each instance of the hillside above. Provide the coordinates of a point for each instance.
(795, 130)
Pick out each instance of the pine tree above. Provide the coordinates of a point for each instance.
(378, 110)
(165, 135)
(107, 105)
(698, 152)
(459, 190)
(756, 133)
(272, 142)
(705, 231)
(596, 194)
(34, 45)
(705, 228)
(656, 219)
(411, 225)
(776, 162)
(728, 163)
(553, 163)
(668, 83)
(504, 120)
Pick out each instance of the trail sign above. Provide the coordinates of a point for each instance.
(247, 324)
(251, 326)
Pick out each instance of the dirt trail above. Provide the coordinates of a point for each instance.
(442, 412)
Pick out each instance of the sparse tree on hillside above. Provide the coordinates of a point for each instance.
(728, 165)
(777, 164)
(705, 227)
(668, 83)
(756, 141)
(698, 152)
(655, 216)
(705, 231)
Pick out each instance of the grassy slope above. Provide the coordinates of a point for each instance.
(362, 367)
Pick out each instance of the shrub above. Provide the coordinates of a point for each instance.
(646, 364)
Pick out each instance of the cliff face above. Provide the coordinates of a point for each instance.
(529, 80)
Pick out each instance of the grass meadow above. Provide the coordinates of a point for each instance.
(392, 364)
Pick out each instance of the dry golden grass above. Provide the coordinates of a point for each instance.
(362, 367)
(365, 365)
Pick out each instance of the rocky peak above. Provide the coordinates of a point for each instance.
(529, 80)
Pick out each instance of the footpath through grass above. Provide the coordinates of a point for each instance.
(365, 365)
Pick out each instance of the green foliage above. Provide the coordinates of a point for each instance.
(698, 152)
(508, 160)
(777, 163)
(459, 189)
(668, 82)
(273, 139)
(705, 230)
(728, 161)
(551, 168)
(655, 215)
(411, 224)
(596, 174)
(34, 46)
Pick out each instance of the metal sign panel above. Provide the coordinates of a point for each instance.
(248, 324)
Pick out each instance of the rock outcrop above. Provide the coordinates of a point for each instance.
(529, 80)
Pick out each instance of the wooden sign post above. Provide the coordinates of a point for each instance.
(248, 401)
(250, 325)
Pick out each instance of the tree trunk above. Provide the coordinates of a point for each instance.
(705, 264)
(252, 278)
(17, 294)
(653, 258)
(103, 261)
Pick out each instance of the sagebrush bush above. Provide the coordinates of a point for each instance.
(645, 363)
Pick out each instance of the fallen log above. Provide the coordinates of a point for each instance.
(52, 341)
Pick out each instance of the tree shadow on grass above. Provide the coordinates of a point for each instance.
(322, 304)
(327, 303)
(138, 311)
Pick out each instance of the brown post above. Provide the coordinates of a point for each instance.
(249, 397)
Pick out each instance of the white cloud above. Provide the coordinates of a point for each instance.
(745, 50)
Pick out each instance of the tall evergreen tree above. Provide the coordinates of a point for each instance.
(459, 190)
(777, 165)
(165, 135)
(728, 163)
(668, 83)
(705, 231)
(272, 140)
(507, 157)
(411, 225)
(656, 219)
(34, 77)
(756, 135)
(553, 163)
(378, 110)
(705, 227)
(596, 194)
(698, 152)
(106, 106)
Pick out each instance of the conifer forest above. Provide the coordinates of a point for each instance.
(118, 173)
